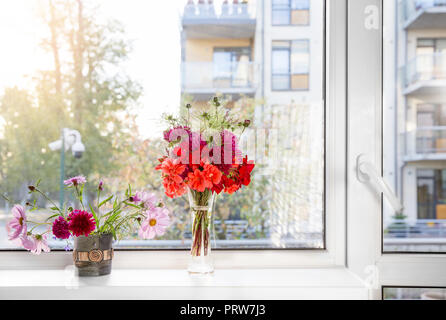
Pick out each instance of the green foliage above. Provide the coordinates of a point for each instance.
(80, 93)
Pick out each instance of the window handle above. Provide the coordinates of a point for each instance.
(367, 173)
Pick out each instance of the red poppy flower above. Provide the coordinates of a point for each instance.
(212, 173)
(198, 181)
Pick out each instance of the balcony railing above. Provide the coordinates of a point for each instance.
(425, 68)
(411, 8)
(426, 141)
(421, 228)
(236, 12)
(218, 77)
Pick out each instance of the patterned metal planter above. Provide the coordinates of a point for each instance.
(93, 255)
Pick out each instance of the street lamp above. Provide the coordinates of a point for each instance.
(70, 139)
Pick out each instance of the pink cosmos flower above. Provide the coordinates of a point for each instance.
(155, 224)
(17, 226)
(28, 242)
(40, 244)
(148, 200)
(75, 181)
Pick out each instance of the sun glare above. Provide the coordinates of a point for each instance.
(153, 27)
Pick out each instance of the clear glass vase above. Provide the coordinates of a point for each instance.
(201, 206)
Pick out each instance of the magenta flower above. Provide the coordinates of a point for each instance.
(101, 185)
(177, 132)
(60, 228)
(75, 181)
(17, 226)
(155, 224)
(81, 223)
(40, 244)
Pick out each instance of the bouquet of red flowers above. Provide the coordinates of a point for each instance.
(204, 162)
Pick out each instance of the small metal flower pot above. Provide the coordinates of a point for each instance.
(93, 255)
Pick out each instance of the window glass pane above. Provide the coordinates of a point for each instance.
(138, 60)
(414, 293)
(300, 57)
(280, 12)
(300, 17)
(300, 4)
(281, 17)
(281, 62)
(414, 127)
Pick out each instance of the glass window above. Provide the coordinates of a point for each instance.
(290, 65)
(290, 12)
(392, 293)
(414, 114)
(133, 63)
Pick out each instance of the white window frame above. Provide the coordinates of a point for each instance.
(334, 255)
(366, 102)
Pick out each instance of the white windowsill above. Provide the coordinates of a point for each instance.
(314, 283)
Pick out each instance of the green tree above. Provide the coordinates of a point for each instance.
(86, 90)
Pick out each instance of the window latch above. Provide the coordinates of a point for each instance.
(367, 173)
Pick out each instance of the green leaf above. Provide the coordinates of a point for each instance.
(94, 216)
(105, 201)
(115, 204)
(51, 217)
(54, 208)
(132, 205)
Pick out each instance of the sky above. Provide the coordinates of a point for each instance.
(153, 26)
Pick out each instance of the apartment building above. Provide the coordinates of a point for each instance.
(419, 123)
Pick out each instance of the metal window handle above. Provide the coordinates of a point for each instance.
(367, 173)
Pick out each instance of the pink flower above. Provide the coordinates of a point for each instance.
(81, 223)
(155, 224)
(148, 200)
(75, 181)
(17, 226)
(61, 228)
(28, 242)
(40, 244)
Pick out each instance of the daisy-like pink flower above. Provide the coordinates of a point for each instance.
(28, 242)
(155, 224)
(40, 244)
(148, 200)
(17, 226)
(75, 181)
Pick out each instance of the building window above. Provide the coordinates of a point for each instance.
(431, 194)
(431, 128)
(290, 65)
(431, 58)
(232, 67)
(290, 12)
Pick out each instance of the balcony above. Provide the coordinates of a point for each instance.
(204, 79)
(234, 20)
(423, 14)
(425, 75)
(426, 143)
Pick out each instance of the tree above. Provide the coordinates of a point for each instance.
(86, 90)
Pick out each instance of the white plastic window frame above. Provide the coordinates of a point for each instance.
(334, 254)
(365, 104)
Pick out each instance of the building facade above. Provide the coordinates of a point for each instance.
(419, 124)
